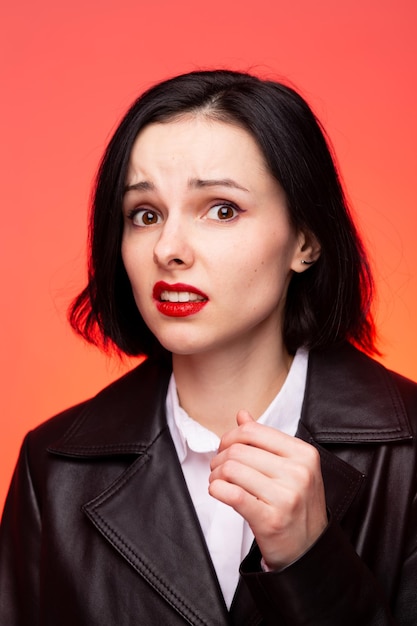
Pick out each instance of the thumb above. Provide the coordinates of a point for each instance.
(243, 417)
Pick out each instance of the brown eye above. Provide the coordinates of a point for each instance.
(223, 212)
(145, 217)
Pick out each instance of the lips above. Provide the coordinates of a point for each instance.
(179, 299)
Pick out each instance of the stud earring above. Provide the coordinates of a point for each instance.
(306, 262)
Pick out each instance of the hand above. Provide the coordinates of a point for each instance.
(274, 481)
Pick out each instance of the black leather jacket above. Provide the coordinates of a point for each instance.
(99, 529)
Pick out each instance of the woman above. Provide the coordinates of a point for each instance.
(222, 248)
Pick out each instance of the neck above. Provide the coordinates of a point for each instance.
(212, 387)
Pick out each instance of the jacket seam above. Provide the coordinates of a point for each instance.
(169, 594)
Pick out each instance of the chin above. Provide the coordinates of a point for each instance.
(181, 349)
(184, 345)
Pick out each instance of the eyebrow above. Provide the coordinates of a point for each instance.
(142, 186)
(199, 183)
(195, 183)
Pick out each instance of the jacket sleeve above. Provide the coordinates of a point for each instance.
(328, 585)
(20, 534)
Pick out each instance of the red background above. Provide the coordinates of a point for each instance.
(67, 75)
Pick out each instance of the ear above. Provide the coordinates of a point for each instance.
(307, 252)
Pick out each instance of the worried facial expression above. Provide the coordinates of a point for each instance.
(207, 243)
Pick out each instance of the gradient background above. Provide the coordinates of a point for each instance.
(68, 73)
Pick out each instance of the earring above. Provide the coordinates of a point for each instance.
(306, 262)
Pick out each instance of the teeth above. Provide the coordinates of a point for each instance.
(180, 296)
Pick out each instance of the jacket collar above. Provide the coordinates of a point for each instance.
(124, 418)
(349, 398)
(146, 513)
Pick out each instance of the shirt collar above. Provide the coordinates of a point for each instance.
(283, 412)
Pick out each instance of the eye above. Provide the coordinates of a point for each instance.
(224, 212)
(144, 217)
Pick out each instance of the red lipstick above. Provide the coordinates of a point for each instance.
(179, 299)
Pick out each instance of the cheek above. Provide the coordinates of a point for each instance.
(133, 251)
(270, 269)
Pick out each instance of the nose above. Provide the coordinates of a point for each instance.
(174, 247)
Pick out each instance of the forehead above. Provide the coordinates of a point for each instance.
(197, 144)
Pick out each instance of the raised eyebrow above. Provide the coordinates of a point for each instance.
(196, 183)
(199, 183)
(144, 185)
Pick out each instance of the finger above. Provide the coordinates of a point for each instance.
(267, 463)
(255, 496)
(264, 437)
(243, 502)
(302, 470)
(266, 476)
(243, 417)
(283, 532)
(243, 489)
(259, 484)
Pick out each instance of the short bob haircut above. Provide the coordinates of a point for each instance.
(327, 304)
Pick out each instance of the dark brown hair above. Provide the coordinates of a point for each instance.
(327, 304)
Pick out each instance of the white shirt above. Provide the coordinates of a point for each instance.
(227, 534)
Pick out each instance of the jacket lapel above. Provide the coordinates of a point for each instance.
(341, 480)
(147, 514)
(350, 400)
(148, 517)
